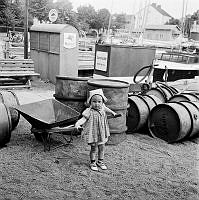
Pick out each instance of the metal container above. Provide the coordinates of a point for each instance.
(10, 99)
(138, 112)
(71, 91)
(184, 97)
(5, 125)
(174, 121)
(163, 93)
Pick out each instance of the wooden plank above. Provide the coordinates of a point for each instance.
(15, 68)
(17, 60)
(10, 70)
(16, 64)
(18, 74)
(14, 86)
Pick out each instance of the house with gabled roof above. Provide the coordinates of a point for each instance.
(151, 15)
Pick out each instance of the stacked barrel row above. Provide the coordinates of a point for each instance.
(73, 91)
(142, 104)
(9, 117)
(176, 120)
(165, 113)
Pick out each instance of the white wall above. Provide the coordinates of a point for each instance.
(151, 17)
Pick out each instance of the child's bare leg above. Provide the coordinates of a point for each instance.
(100, 163)
(101, 149)
(93, 152)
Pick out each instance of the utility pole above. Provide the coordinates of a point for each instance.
(26, 31)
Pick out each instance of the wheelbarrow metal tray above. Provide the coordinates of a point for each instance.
(48, 114)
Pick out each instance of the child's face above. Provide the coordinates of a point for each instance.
(96, 102)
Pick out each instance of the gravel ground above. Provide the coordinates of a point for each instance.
(140, 168)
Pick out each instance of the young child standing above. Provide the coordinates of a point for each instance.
(95, 127)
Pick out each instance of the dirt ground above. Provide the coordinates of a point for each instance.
(140, 168)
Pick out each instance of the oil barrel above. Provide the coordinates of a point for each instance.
(184, 97)
(163, 93)
(138, 111)
(72, 91)
(9, 98)
(5, 125)
(174, 121)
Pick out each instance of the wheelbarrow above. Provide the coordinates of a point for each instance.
(48, 117)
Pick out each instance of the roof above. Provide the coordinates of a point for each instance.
(160, 10)
(55, 28)
(163, 27)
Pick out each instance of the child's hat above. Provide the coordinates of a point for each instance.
(96, 92)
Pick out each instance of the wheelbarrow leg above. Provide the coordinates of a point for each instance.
(46, 138)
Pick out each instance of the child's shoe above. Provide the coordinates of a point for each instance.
(101, 165)
(93, 166)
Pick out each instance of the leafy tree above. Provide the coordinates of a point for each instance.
(86, 17)
(102, 19)
(195, 17)
(40, 9)
(10, 13)
(173, 21)
(65, 13)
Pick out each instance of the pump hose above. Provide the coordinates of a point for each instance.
(150, 68)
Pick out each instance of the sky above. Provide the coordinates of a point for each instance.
(172, 7)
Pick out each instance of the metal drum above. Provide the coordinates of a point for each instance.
(10, 99)
(174, 121)
(184, 97)
(117, 94)
(163, 93)
(72, 91)
(138, 111)
(5, 125)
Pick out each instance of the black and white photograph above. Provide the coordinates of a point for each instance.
(99, 100)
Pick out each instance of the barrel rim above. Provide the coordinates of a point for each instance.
(150, 96)
(160, 91)
(17, 100)
(72, 78)
(192, 121)
(191, 94)
(7, 137)
(168, 89)
(125, 84)
(69, 98)
(185, 95)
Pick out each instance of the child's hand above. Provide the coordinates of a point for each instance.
(117, 115)
(78, 127)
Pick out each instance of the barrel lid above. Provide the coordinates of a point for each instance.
(72, 78)
(108, 83)
(164, 123)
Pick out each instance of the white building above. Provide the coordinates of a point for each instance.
(151, 15)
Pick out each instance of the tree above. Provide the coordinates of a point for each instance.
(10, 13)
(40, 9)
(173, 21)
(86, 17)
(195, 17)
(65, 13)
(102, 19)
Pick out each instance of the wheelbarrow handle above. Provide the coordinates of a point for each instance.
(114, 116)
(61, 129)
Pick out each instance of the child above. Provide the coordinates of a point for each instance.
(95, 127)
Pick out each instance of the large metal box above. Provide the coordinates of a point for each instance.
(54, 49)
(121, 60)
